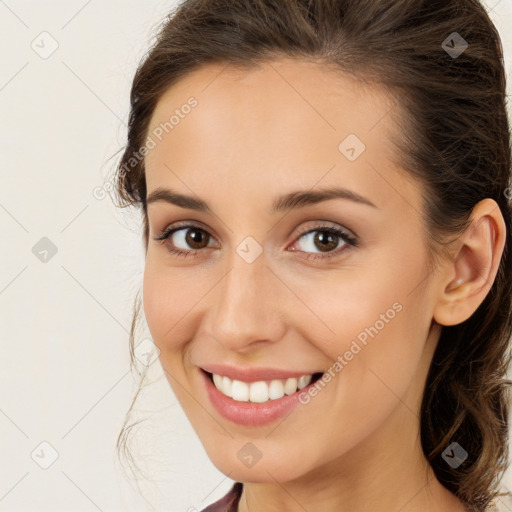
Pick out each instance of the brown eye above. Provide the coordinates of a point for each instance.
(324, 239)
(184, 240)
(189, 240)
(195, 237)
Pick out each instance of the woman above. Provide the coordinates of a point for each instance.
(324, 190)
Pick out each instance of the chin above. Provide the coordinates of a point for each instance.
(264, 470)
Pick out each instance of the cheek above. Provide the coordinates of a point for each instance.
(377, 297)
(347, 306)
(166, 300)
(374, 318)
(380, 329)
(175, 299)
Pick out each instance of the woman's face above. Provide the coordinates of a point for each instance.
(265, 285)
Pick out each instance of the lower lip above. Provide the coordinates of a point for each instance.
(250, 413)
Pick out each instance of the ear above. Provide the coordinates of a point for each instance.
(470, 273)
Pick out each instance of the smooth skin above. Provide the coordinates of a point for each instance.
(253, 136)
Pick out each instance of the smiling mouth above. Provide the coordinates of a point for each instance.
(260, 391)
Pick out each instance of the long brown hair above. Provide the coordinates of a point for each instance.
(454, 138)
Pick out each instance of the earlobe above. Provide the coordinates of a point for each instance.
(469, 275)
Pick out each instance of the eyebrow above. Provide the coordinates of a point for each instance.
(284, 203)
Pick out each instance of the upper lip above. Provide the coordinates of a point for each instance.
(253, 374)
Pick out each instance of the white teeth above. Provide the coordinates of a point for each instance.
(304, 381)
(217, 380)
(239, 391)
(275, 390)
(260, 391)
(227, 386)
(290, 386)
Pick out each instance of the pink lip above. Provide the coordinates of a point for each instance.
(253, 374)
(248, 413)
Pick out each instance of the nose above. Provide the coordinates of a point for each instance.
(246, 306)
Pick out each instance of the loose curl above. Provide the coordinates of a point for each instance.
(452, 135)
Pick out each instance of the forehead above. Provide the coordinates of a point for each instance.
(328, 99)
(285, 120)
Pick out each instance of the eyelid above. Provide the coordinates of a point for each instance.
(325, 224)
(348, 237)
(301, 231)
(182, 224)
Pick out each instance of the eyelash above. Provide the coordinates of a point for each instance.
(349, 240)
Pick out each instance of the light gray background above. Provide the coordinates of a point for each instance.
(64, 369)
